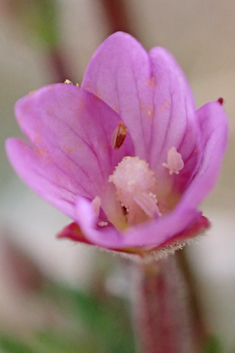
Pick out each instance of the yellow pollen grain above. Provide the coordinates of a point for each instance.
(164, 106)
(41, 152)
(151, 82)
(149, 113)
(69, 150)
(69, 167)
(37, 138)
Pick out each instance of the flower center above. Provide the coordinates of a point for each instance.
(136, 187)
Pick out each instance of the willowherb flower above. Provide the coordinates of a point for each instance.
(126, 156)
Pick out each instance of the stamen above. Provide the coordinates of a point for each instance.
(119, 135)
(96, 202)
(102, 224)
(174, 161)
(68, 82)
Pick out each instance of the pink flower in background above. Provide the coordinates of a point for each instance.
(126, 156)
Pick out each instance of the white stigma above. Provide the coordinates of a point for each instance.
(136, 186)
(174, 161)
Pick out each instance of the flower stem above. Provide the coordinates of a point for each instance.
(161, 314)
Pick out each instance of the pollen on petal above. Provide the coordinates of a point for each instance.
(174, 161)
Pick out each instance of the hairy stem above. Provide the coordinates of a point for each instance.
(161, 313)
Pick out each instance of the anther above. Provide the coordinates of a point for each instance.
(174, 161)
(119, 135)
(68, 82)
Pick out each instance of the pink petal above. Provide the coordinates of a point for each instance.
(153, 98)
(175, 123)
(214, 130)
(71, 131)
(152, 233)
(73, 232)
(119, 73)
(45, 178)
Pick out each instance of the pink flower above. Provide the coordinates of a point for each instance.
(126, 156)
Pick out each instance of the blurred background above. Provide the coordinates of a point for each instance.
(47, 41)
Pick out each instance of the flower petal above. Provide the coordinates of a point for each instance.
(214, 130)
(86, 218)
(152, 96)
(71, 131)
(42, 176)
(73, 232)
(153, 233)
(174, 122)
(119, 74)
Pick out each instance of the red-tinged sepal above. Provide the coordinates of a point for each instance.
(73, 232)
